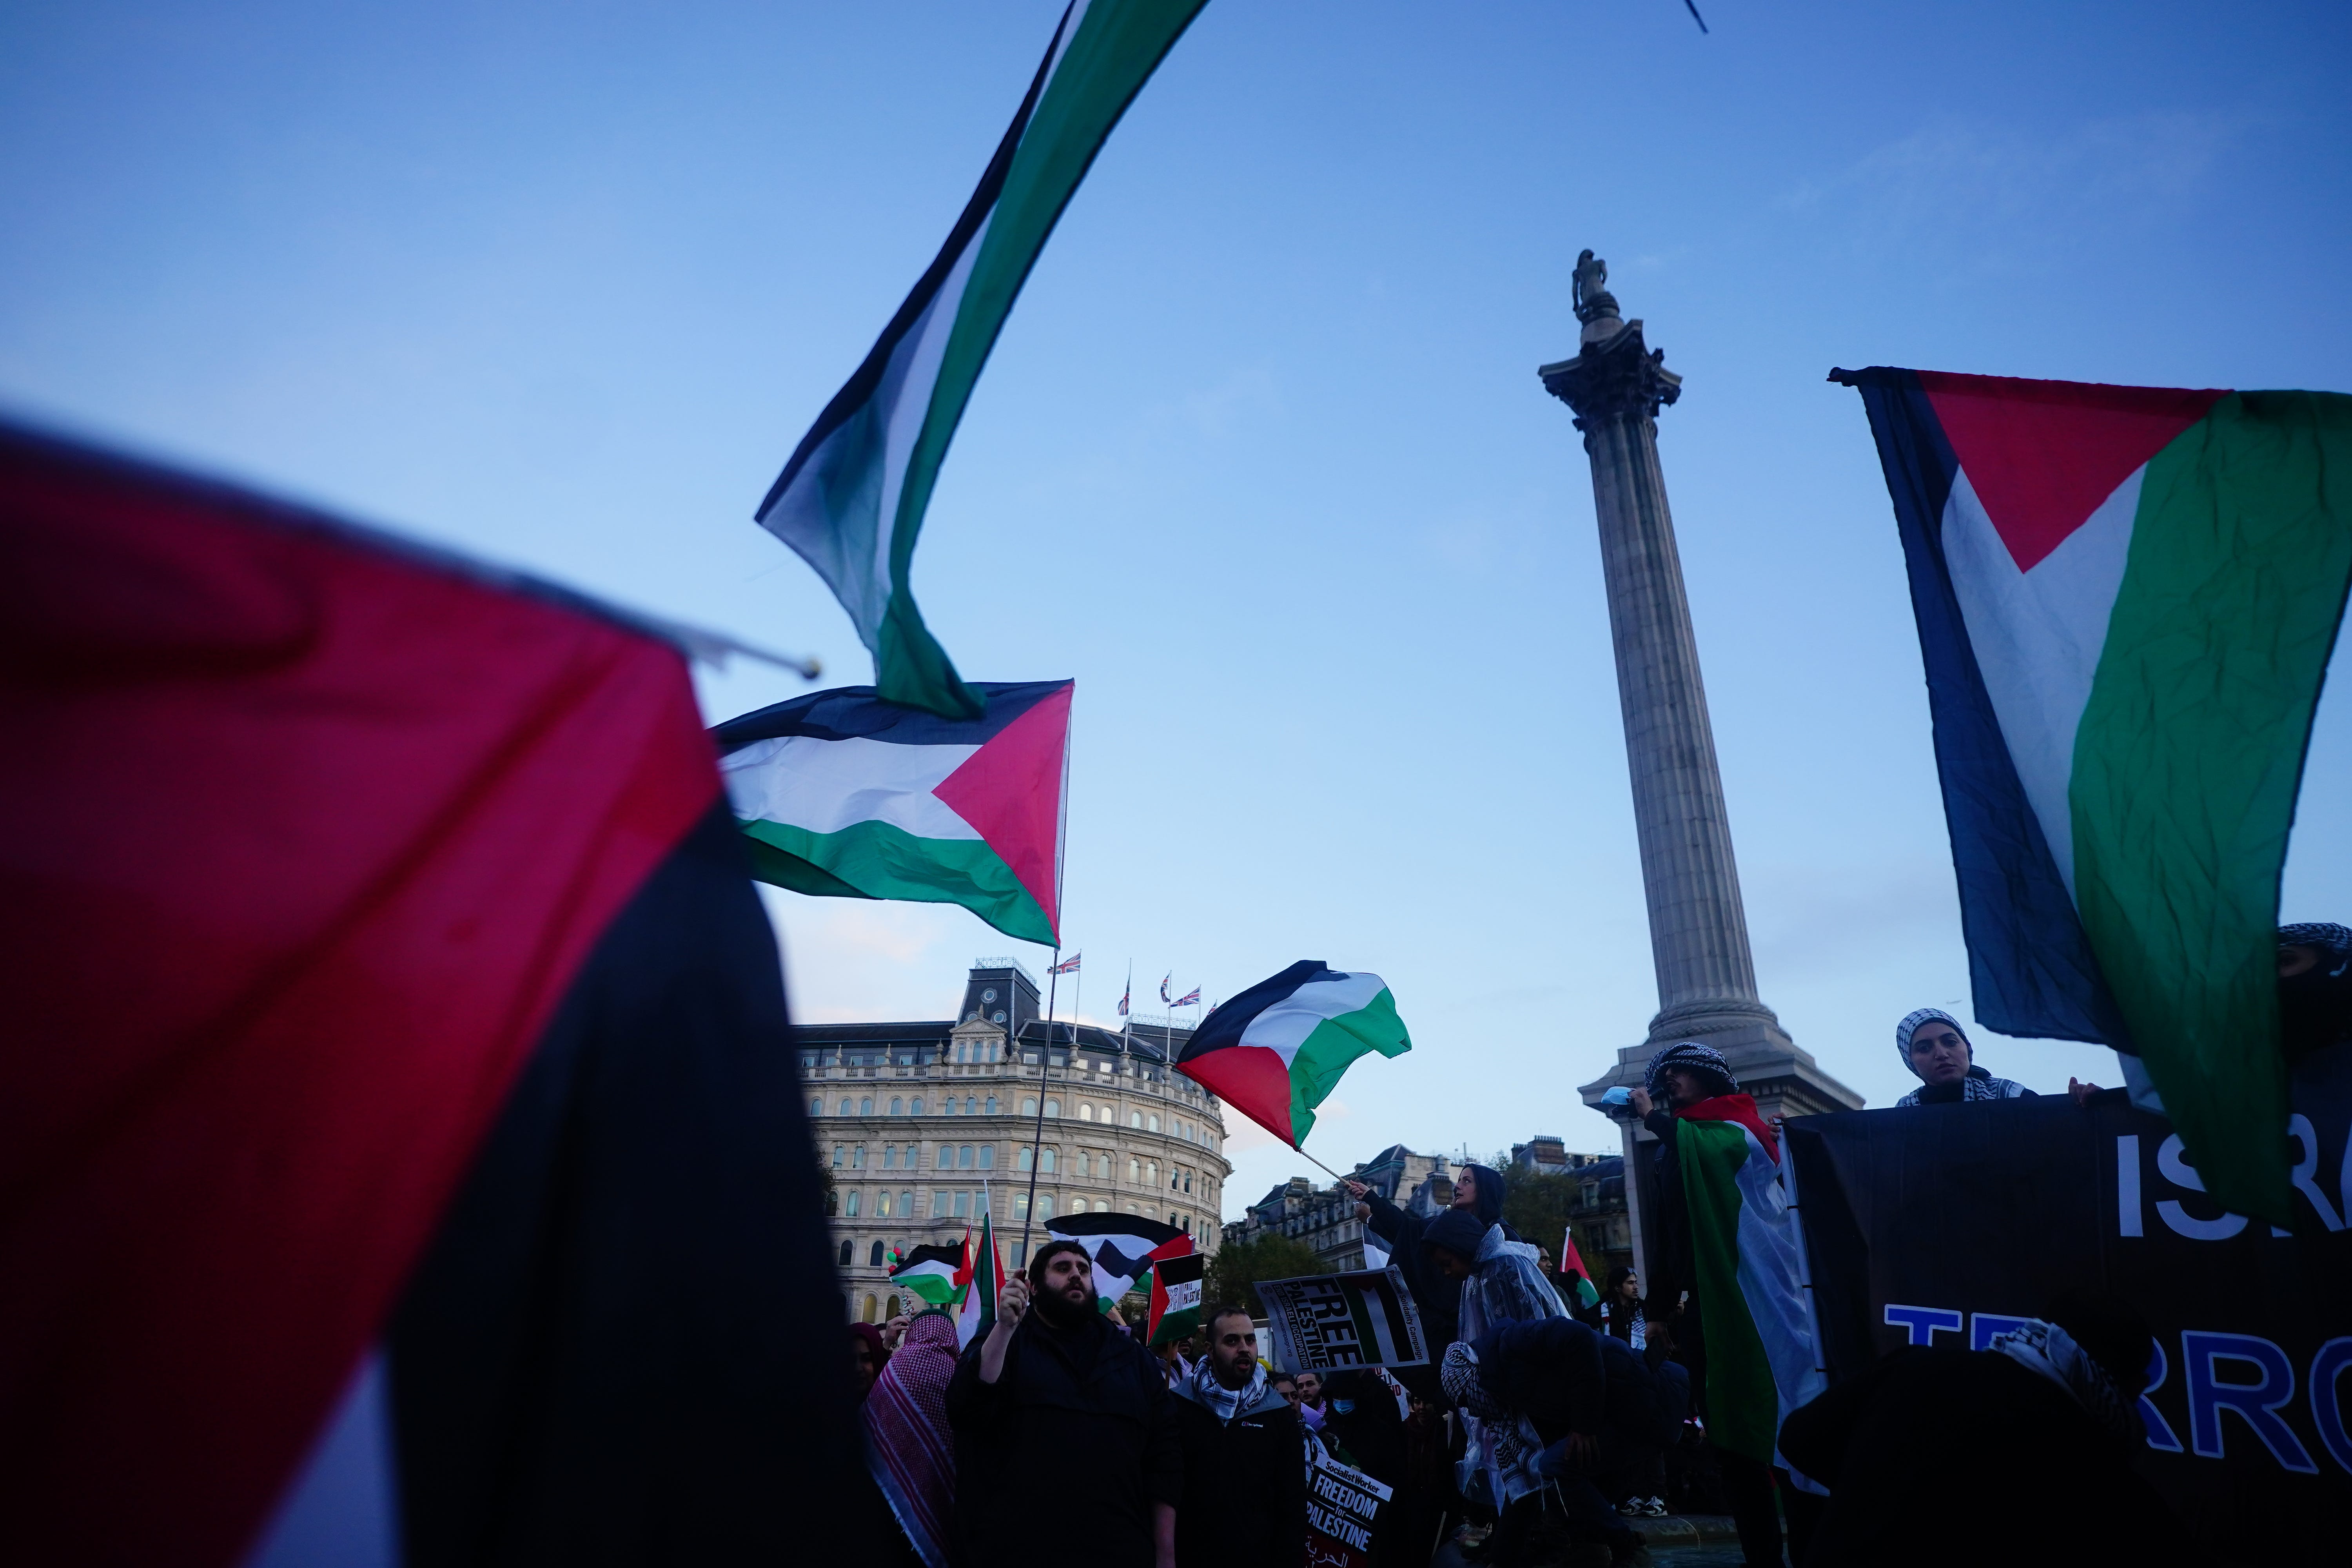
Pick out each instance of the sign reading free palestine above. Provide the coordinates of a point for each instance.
(1325, 1322)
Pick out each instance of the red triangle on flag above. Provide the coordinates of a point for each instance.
(2043, 455)
(1011, 792)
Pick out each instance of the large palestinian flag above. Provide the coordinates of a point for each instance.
(846, 796)
(1760, 1361)
(1276, 1052)
(851, 500)
(1120, 1248)
(2127, 600)
(401, 1156)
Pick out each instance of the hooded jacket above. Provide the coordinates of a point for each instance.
(1244, 1502)
(1404, 1232)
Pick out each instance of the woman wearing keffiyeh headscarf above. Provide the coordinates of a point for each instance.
(909, 1446)
(1938, 1055)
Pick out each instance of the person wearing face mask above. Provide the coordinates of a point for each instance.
(1938, 1055)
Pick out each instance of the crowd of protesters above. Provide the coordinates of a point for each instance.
(1536, 1434)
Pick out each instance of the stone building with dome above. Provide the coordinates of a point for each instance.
(924, 1126)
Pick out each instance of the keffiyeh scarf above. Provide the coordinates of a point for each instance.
(1692, 1055)
(2047, 1349)
(1977, 1085)
(907, 1445)
(1225, 1403)
(1499, 1466)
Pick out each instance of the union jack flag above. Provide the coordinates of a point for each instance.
(1163, 987)
(1067, 967)
(1190, 999)
(1123, 996)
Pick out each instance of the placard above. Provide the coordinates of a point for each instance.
(1324, 1322)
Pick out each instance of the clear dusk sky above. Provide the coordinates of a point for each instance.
(1261, 459)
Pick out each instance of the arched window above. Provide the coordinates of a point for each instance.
(991, 1105)
(844, 1108)
(849, 1206)
(845, 1253)
(1183, 1222)
(837, 1152)
(832, 1204)
(874, 1260)
(898, 1108)
(1045, 1159)
(1086, 1112)
(1152, 1123)
(890, 1156)
(1134, 1169)
(987, 1156)
(1022, 1158)
(963, 1203)
(816, 1108)
(918, 1109)
(912, 1153)
(882, 1207)
(1045, 1200)
(962, 1047)
(866, 1107)
(893, 1307)
(857, 1158)
(1028, 1105)
(1151, 1171)
(1134, 1118)
(1053, 1107)
(1188, 1181)
(906, 1203)
(1174, 1179)
(871, 1307)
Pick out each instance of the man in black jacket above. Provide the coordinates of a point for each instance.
(1244, 1503)
(1060, 1420)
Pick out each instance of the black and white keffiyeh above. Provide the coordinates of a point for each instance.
(1225, 1403)
(2047, 1349)
(1977, 1085)
(1693, 1055)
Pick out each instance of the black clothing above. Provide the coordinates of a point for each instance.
(1245, 1503)
(1956, 1093)
(1566, 1377)
(1359, 1411)
(1080, 1431)
(1937, 1457)
(1438, 1297)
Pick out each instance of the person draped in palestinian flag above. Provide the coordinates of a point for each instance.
(1726, 1239)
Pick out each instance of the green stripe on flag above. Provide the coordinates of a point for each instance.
(1743, 1405)
(2190, 753)
(879, 860)
(1324, 1056)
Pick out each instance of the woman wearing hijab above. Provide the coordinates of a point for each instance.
(1477, 1189)
(868, 1355)
(1938, 1055)
(909, 1446)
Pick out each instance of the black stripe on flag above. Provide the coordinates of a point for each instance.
(1224, 1028)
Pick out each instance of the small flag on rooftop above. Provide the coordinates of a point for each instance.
(1276, 1052)
(1190, 999)
(1067, 967)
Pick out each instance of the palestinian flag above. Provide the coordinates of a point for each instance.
(930, 1272)
(851, 500)
(2127, 600)
(845, 795)
(1587, 1295)
(1119, 1246)
(1276, 1052)
(1760, 1361)
(400, 1162)
(982, 1276)
(1176, 1272)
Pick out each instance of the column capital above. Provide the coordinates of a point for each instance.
(1615, 377)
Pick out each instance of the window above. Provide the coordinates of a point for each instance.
(991, 1105)
(832, 1204)
(1021, 1206)
(866, 1106)
(1151, 1171)
(963, 1202)
(850, 1207)
(1028, 1105)
(1022, 1158)
(1183, 1222)
(1152, 1123)
(1045, 1159)
(987, 1156)
(963, 1158)
(906, 1203)
(917, 1107)
(1046, 1201)
(874, 1260)
(979, 1202)
(966, 1105)
(870, 1307)
(1134, 1169)
(1053, 1107)
(914, 1154)
(844, 1108)
(857, 1158)
(1175, 1179)
(1188, 1181)
(882, 1207)
(942, 1205)
(898, 1108)
(837, 1152)
(845, 1253)
(1086, 1112)
(890, 1156)
(960, 1048)
(816, 1108)
(1134, 1118)
(891, 1308)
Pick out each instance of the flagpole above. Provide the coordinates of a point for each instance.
(1053, 989)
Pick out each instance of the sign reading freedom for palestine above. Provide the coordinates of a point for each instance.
(1325, 1322)
(1343, 1511)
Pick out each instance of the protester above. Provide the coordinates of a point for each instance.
(1938, 1055)
(1244, 1500)
(894, 1332)
(1604, 1418)
(1478, 1190)
(2039, 1430)
(1621, 1308)
(868, 1355)
(1362, 1414)
(1681, 1076)
(1065, 1432)
(1499, 1284)
(1285, 1386)
(909, 1446)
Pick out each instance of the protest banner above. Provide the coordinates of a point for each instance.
(1325, 1321)
(1947, 1225)
(1343, 1511)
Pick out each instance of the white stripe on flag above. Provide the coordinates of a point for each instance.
(1284, 1028)
(825, 787)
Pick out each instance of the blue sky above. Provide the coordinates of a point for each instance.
(1261, 459)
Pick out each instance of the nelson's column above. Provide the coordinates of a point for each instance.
(1699, 931)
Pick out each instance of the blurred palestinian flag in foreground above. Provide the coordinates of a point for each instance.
(402, 1157)
(1176, 1275)
(2127, 598)
(1276, 1052)
(846, 796)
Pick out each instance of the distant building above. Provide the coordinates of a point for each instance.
(925, 1126)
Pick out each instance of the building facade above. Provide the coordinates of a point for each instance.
(923, 1127)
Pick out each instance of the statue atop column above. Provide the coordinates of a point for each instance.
(1593, 299)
